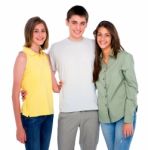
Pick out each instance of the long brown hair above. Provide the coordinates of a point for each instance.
(115, 45)
(28, 31)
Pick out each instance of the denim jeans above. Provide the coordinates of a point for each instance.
(113, 135)
(38, 131)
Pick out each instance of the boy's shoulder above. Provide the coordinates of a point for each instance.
(59, 43)
(89, 39)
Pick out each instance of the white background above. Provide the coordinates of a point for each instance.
(130, 19)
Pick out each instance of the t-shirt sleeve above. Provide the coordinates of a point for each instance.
(52, 58)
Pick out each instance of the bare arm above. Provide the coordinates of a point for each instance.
(55, 86)
(18, 71)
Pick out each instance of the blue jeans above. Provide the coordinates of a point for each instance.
(38, 131)
(112, 133)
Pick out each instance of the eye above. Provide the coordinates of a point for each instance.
(35, 31)
(107, 35)
(43, 31)
(99, 34)
(74, 22)
(83, 23)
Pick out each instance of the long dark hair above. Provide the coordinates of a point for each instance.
(115, 45)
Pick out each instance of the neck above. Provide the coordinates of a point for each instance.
(106, 53)
(36, 48)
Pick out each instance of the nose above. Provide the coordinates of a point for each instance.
(41, 33)
(78, 27)
(103, 37)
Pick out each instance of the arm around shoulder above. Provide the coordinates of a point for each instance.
(55, 86)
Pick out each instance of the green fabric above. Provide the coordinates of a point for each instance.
(117, 89)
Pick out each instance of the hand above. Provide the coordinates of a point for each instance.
(21, 135)
(60, 85)
(23, 94)
(57, 87)
(128, 129)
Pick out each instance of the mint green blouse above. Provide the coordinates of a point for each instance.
(117, 89)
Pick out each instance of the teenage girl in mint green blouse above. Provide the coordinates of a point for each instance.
(116, 83)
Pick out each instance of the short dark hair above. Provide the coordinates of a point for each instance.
(77, 10)
(28, 31)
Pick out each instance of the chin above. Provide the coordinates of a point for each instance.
(41, 43)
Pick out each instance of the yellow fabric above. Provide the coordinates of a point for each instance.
(38, 84)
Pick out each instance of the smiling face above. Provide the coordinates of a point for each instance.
(104, 38)
(77, 25)
(39, 35)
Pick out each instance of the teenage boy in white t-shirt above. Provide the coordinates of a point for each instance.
(73, 59)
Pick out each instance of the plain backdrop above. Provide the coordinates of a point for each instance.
(129, 17)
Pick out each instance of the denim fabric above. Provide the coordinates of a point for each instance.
(38, 131)
(112, 133)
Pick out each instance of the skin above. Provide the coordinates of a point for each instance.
(76, 25)
(19, 68)
(104, 41)
(39, 36)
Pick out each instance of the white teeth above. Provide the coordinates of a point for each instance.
(102, 43)
(39, 39)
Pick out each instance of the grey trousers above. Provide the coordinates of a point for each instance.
(68, 124)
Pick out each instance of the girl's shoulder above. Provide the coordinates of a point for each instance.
(124, 54)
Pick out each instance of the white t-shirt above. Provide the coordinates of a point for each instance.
(74, 62)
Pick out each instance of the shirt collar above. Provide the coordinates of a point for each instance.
(111, 54)
(31, 52)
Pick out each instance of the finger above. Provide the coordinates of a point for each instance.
(20, 139)
(25, 92)
(61, 82)
(25, 138)
(125, 133)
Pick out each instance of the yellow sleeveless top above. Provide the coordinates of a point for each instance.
(38, 85)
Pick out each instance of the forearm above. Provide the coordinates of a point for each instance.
(55, 85)
(16, 108)
(131, 89)
(20, 132)
(130, 108)
(131, 98)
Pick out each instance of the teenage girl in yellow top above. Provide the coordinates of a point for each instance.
(32, 73)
